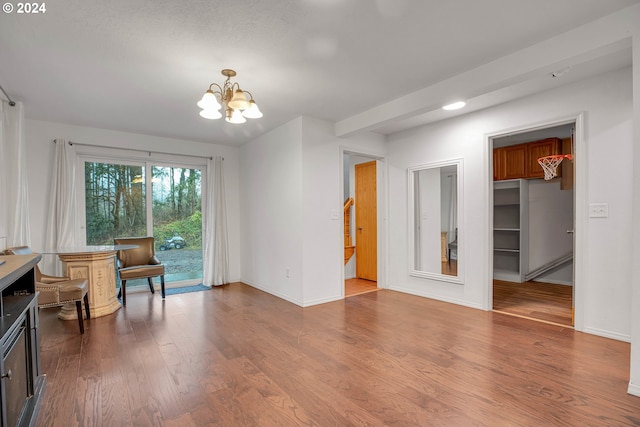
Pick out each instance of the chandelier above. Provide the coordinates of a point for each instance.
(234, 100)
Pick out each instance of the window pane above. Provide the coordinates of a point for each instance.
(177, 221)
(114, 202)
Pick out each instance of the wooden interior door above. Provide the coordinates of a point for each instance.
(366, 221)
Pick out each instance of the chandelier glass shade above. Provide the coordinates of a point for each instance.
(229, 98)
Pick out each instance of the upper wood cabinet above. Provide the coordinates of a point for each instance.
(514, 161)
(537, 149)
(521, 160)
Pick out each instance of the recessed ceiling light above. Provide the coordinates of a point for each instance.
(454, 106)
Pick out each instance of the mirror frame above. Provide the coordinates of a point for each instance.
(459, 279)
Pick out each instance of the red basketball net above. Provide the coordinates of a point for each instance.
(550, 164)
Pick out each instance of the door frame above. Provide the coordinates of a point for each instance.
(580, 209)
(382, 211)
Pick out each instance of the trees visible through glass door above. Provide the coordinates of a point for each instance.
(177, 221)
(116, 201)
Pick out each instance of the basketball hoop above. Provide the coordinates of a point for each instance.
(550, 164)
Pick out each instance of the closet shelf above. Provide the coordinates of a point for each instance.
(510, 230)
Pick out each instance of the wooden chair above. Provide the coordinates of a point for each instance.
(55, 291)
(138, 263)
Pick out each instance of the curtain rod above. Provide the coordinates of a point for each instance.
(6, 95)
(140, 151)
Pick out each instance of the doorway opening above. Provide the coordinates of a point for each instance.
(360, 224)
(533, 226)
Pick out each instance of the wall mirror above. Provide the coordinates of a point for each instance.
(435, 212)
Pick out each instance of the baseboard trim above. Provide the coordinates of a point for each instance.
(554, 282)
(436, 297)
(272, 292)
(607, 334)
(292, 300)
(322, 301)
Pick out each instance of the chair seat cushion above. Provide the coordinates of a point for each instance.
(141, 271)
(73, 290)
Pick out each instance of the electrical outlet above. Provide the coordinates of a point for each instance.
(335, 214)
(598, 210)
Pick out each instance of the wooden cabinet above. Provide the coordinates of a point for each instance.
(497, 166)
(513, 162)
(510, 230)
(521, 161)
(22, 383)
(535, 150)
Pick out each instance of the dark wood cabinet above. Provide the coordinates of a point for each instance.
(521, 161)
(22, 382)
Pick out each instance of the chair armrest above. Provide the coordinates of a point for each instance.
(154, 261)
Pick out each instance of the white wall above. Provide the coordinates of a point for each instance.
(323, 231)
(291, 187)
(271, 212)
(606, 101)
(40, 151)
(550, 216)
(447, 179)
(430, 220)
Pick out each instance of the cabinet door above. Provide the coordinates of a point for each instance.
(514, 165)
(498, 173)
(535, 150)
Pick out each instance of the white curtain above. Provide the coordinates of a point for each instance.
(216, 250)
(61, 216)
(453, 209)
(14, 191)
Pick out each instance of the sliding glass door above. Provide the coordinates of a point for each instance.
(177, 221)
(147, 199)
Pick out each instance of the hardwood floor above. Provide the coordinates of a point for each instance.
(236, 356)
(359, 286)
(544, 302)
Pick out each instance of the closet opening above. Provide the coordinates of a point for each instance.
(533, 226)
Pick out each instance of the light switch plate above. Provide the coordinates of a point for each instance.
(598, 210)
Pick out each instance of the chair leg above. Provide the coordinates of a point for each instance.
(162, 285)
(79, 310)
(86, 305)
(123, 290)
(150, 280)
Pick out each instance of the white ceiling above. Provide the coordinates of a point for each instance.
(141, 66)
